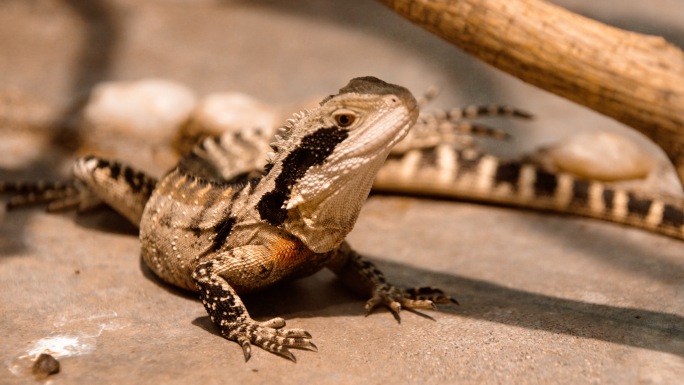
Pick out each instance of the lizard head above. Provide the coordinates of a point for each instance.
(325, 161)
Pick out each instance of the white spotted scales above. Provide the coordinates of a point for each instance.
(221, 238)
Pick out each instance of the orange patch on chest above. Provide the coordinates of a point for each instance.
(289, 251)
(292, 259)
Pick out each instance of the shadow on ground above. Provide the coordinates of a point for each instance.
(316, 297)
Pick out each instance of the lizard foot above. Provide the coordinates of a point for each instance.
(435, 295)
(230, 316)
(395, 299)
(269, 336)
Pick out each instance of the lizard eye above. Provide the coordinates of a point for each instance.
(344, 118)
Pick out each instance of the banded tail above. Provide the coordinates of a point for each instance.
(59, 195)
(467, 174)
(455, 126)
(96, 181)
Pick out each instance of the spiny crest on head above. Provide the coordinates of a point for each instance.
(283, 133)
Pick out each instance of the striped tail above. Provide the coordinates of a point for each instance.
(96, 181)
(458, 119)
(59, 195)
(468, 174)
(454, 126)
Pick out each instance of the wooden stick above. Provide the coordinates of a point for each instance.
(633, 78)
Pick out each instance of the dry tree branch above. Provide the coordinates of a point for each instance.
(633, 78)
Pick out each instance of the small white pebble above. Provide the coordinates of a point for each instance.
(229, 111)
(149, 108)
(601, 155)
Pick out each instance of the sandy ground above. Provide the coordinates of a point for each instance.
(544, 299)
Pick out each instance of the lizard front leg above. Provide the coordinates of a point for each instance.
(364, 277)
(228, 312)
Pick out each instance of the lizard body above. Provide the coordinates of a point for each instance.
(222, 237)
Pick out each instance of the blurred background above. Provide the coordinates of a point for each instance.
(52, 52)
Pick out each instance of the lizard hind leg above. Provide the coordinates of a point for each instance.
(364, 277)
(229, 314)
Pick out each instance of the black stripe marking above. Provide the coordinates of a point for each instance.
(271, 206)
(467, 162)
(508, 173)
(313, 150)
(115, 170)
(486, 131)
(428, 158)
(672, 216)
(23, 188)
(608, 199)
(545, 184)
(135, 180)
(222, 231)
(637, 206)
(580, 193)
(101, 163)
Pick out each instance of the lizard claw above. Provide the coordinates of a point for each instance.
(395, 298)
(271, 337)
(246, 347)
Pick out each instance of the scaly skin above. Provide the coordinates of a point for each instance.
(206, 229)
(216, 225)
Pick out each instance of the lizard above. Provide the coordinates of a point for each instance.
(431, 160)
(438, 157)
(224, 237)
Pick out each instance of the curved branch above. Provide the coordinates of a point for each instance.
(633, 78)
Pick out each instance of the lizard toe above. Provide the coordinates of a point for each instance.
(435, 295)
(271, 337)
(395, 299)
